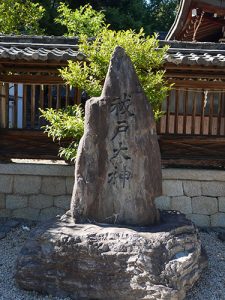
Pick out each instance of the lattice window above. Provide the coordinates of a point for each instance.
(20, 103)
(194, 112)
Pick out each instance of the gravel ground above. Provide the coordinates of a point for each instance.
(210, 287)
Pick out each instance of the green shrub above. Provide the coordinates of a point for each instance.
(66, 126)
(89, 75)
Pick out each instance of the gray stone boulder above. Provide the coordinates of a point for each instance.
(117, 177)
(98, 261)
(118, 167)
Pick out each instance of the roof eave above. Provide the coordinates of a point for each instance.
(180, 18)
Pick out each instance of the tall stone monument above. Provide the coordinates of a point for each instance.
(105, 248)
(118, 168)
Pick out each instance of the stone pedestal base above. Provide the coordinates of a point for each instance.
(98, 261)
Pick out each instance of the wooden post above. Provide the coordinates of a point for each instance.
(185, 112)
(220, 105)
(49, 96)
(3, 107)
(176, 112)
(32, 106)
(168, 114)
(58, 101)
(15, 108)
(193, 114)
(211, 113)
(77, 96)
(202, 113)
(42, 96)
(24, 106)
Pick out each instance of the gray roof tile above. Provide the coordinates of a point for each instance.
(39, 48)
(43, 54)
(189, 53)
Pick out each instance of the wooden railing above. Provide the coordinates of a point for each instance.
(20, 103)
(192, 129)
(194, 112)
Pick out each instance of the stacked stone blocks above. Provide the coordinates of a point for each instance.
(39, 192)
(201, 198)
(38, 195)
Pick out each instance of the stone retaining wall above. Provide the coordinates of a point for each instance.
(200, 194)
(40, 191)
(35, 191)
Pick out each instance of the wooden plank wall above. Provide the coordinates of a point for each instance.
(193, 118)
(192, 130)
(33, 98)
(28, 141)
(26, 144)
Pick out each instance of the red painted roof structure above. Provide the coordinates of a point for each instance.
(199, 20)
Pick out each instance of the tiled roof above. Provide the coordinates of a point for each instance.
(39, 48)
(30, 53)
(45, 48)
(205, 59)
(189, 53)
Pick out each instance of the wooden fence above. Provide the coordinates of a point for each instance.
(194, 112)
(192, 130)
(20, 122)
(20, 103)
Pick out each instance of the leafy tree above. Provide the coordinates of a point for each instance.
(65, 123)
(161, 14)
(89, 75)
(123, 14)
(84, 20)
(152, 15)
(21, 16)
(47, 22)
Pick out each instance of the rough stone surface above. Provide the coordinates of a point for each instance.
(199, 220)
(62, 202)
(163, 203)
(192, 188)
(221, 204)
(50, 212)
(26, 213)
(218, 220)
(69, 185)
(16, 201)
(53, 186)
(194, 174)
(181, 204)
(172, 188)
(27, 184)
(204, 205)
(40, 201)
(2, 201)
(37, 168)
(109, 262)
(6, 184)
(118, 166)
(5, 213)
(213, 189)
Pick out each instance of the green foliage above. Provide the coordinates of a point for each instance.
(161, 14)
(147, 59)
(152, 15)
(84, 20)
(21, 16)
(67, 123)
(90, 75)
